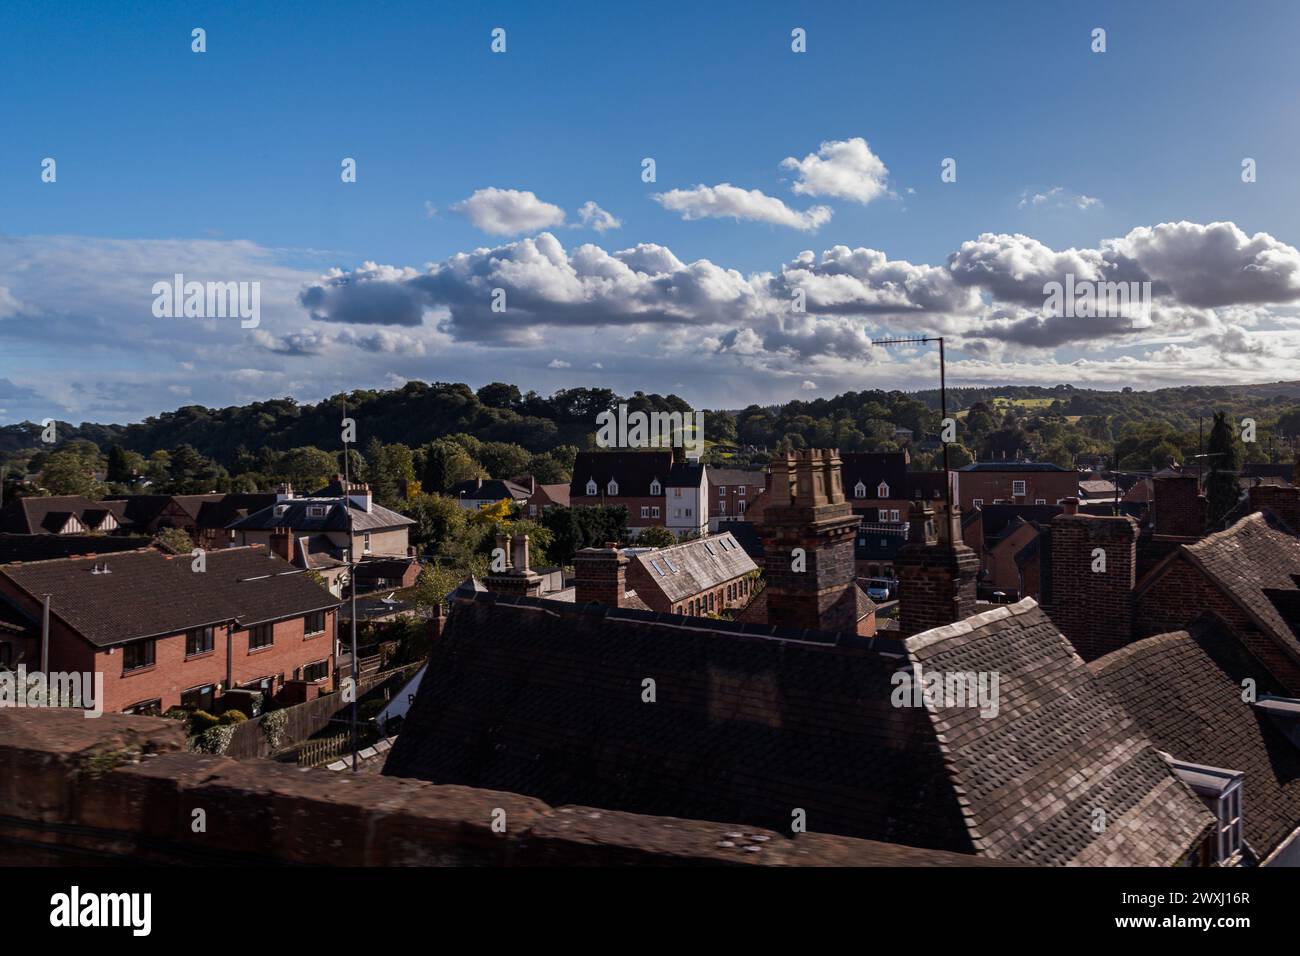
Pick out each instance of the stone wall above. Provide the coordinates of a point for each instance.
(119, 789)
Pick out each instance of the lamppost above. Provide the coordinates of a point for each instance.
(943, 404)
(352, 582)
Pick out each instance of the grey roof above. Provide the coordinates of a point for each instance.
(541, 698)
(150, 594)
(48, 514)
(293, 514)
(736, 476)
(685, 570)
(1012, 466)
(489, 489)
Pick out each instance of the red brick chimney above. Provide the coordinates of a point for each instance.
(1094, 570)
(1178, 508)
(1283, 502)
(282, 543)
(937, 572)
(600, 576)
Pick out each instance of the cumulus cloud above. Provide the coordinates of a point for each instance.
(509, 212)
(726, 201)
(845, 169)
(593, 217)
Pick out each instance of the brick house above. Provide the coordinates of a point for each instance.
(635, 480)
(731, 491)
(1013, 483)
(164, 635)
(545, 496)
(697, 577)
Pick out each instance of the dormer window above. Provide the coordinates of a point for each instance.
(591, 486)
(882, 490)
(656, 488)
(316, 511)
(859, 490)
(612, 487)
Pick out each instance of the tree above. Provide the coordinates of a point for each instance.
(656, 537)
(65, 473)
(308, 468)
(437, 518)
(445, 464)
(173, 540)
(1221, 490)
(119, 466)
(504, 459)
(500, 395)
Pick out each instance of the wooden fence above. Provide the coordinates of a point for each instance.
(302, 720)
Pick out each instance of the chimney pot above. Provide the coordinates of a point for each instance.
(1071, 506)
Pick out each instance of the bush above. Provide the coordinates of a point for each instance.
(368, 709)
(233, 717)
(214, 740)
(177, 713)
(200, 721)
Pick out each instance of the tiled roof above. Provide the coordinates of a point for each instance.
(996, 466)
(685, 475)
(1185, 691)
(750, 723)
(226, 509)
(736, 476)
(1059, 748)
(490, 489)
(1248, 561)
(633, 471)
(48, 514)
(150, 594)
(43, 547)
(871, 468)
(687, 569)
(295, 516)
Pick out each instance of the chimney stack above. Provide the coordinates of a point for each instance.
(937, 572)
(1178, 508)
(600, 576)
(518, 577)
(1071, 506)
(808, 534)
(1283, 502)
(282, 543)
(284, 492)
(1094, 572)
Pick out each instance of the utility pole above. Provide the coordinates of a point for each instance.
(352, 581)
(943, 406)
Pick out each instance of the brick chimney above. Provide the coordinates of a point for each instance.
(937, 571)
(359, 496)
(518, 577)
(808, 533)
(1093, 608)
(600, 576)
(284, 491)
(1177, 507)
(1283, 502)
(282, 543)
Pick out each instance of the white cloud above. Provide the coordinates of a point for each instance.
(509, 212)
(593, 217)
(808, 385)
(557, 363)
(726, 201)
(1058, 197)
(845, 169)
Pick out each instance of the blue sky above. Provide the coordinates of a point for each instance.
(225, 165)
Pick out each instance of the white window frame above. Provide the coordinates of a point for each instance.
(591, 487)
(611, 489)
(859, 490)
(977, 502)
(656, 489)
(645, 511)
(1018, 488)
(882, 490)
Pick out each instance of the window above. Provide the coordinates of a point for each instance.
(671, 567)
(315, 511)
(656, 488)
(199, 698)
(722, 507)
(893, 515)
(261, 636)
(145, 707)
(1017, 487)
(742, 491)
(1228, 811)
(688, 512)
(677, 492)
(612, 487)
(645, 511)
(1040, 501)
(316, 672)
(740, 506)
(315, 623)
(591, 486)
(859, 490)
(708, 546)
(722, 491)
(532, 511)
(365, 543)
(199, 641)
(978, 502)
(654, 511)
(654, 563)
(137, 655)
(882, 490)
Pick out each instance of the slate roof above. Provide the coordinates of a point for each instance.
(226, 509)
(996, 466)
(142, 510)
(701, 564)
(44, 547)
(871, 468)
(1184, 689)
(736, 476)
(685, 475)
(633, 471)
(491, 489)
(47, 514)
(1254, 564)
(870, 545)
(536, 697)
(150, 594)
(295, 516)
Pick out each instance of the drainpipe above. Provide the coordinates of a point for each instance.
(230, 641)
(45, 635)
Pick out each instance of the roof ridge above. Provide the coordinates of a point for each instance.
(968, 624)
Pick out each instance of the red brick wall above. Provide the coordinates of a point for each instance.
(1283, 502)
(1178, 508)
(633, 505)
(990, 486)
(1094, 610)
